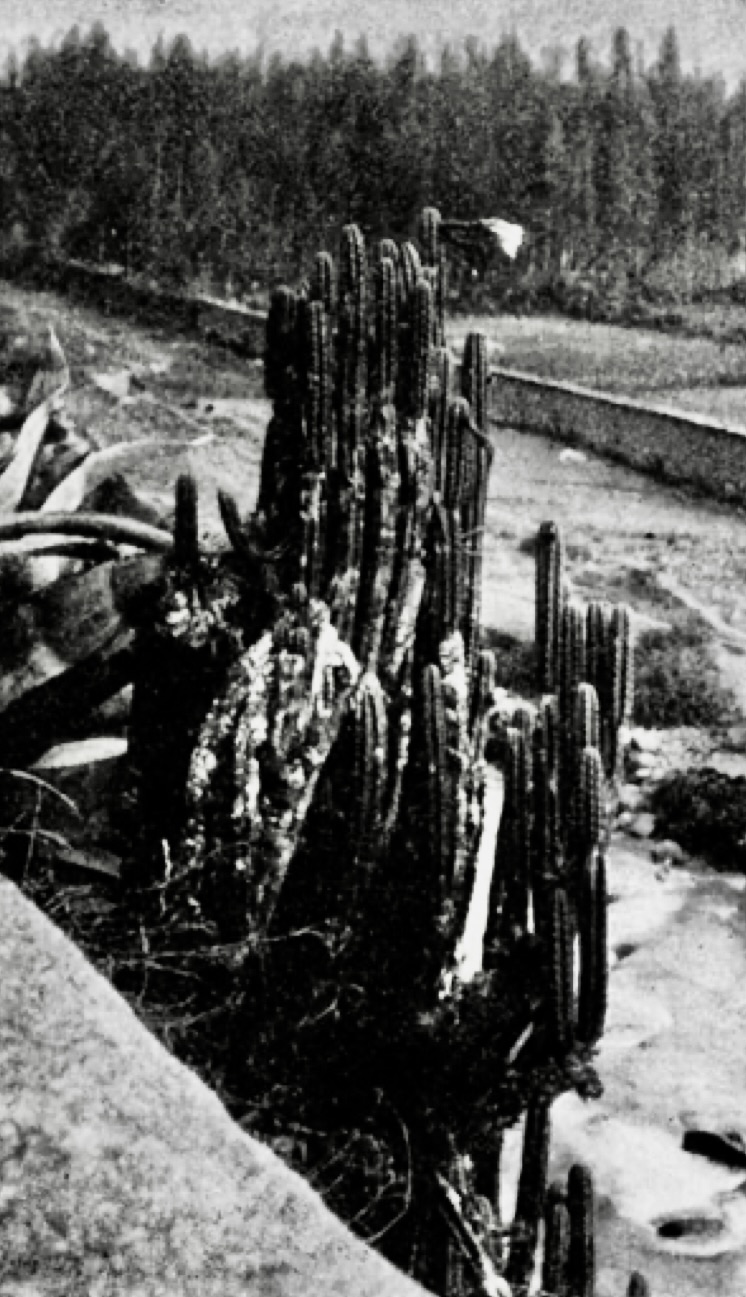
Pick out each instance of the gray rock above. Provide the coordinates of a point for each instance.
(735, 739)
(732, 764)
(642, 740)
(643, 825)
(116, 384)
(643, 774)
(726, 1146)
(119, 1165)
(631, 797)
(668, 850)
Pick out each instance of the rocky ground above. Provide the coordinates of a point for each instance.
(667, 1140)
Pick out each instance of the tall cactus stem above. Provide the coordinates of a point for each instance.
(581, 1257)
(532, 1185)
(561, 974)
(590, 802)
(319, 383)
(638, 1285)
(556, 1247)
(474, 378)
(429, 235)
(594, 960)
(421, 343)
(434, 718)
(387, 327)
(410, 272)
(186, 523)
(549, 573)
(370, 766)
(323, 281)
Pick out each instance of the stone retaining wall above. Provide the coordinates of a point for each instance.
(675, 445)
(230, 323)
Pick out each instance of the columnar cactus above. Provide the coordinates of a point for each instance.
(638, 1285)
(364, 560)
(387, 328)
(474, 378)
(531, 1193)
(561, 976)
(186, 523)
(581, 1253)
(594, 960)
(429, 235)
(549, 585)
(556, 1242)
(322, 281)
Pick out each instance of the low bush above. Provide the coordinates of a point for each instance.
(677, 681)
(705, 811)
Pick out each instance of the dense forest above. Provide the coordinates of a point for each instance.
(228, 173)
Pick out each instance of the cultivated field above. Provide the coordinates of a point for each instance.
(629, 361)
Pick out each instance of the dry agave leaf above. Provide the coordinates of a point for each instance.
(26, 776)
(67, 546)
(81, 752)
(44, 396)
(95, 861)
(51, 380)
(14, 480)
(69, 494)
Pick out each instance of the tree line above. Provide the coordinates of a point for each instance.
(229, 173)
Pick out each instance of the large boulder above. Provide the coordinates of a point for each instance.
(121, 1174)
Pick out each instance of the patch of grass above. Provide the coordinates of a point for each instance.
(705, 811)
(677, 680)
(612, 357)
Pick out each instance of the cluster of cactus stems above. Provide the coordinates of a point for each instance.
(347, 716)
